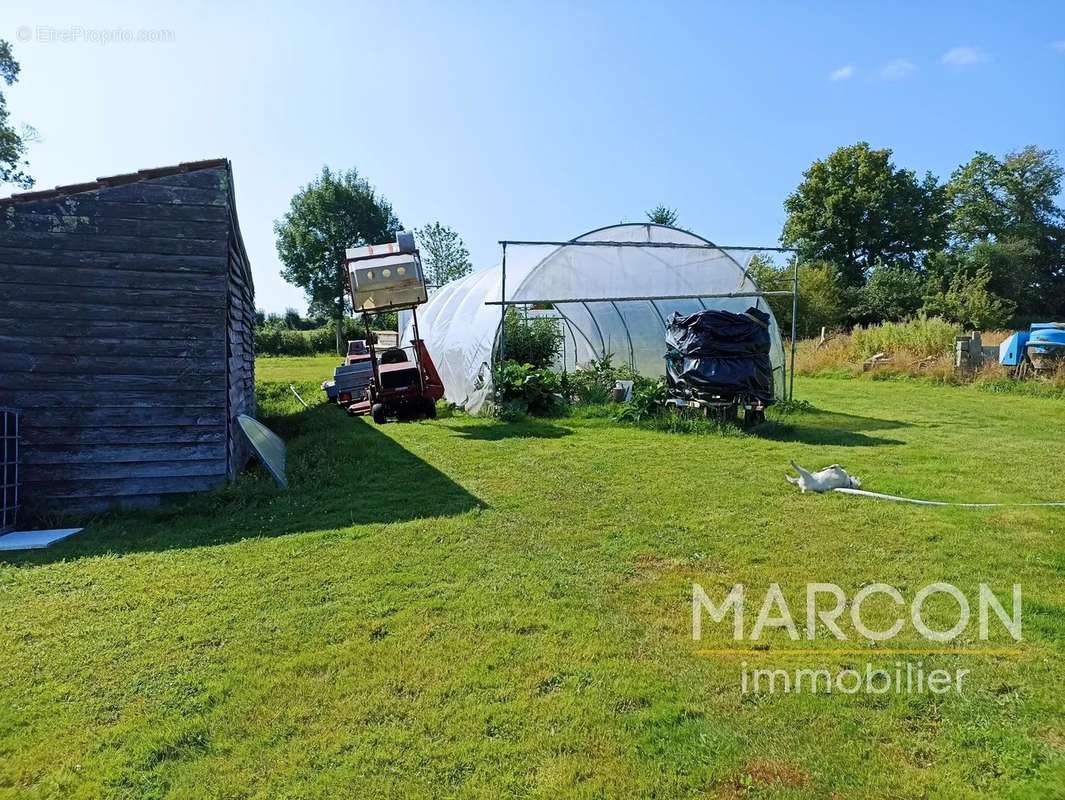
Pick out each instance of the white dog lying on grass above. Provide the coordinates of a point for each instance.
(834, 477)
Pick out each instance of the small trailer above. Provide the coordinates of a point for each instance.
(351, 380)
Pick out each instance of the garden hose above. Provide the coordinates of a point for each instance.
(897, 499)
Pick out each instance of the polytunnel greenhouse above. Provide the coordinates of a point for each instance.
(611, 291)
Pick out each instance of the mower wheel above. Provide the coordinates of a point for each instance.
(377, 411)
(430, 408)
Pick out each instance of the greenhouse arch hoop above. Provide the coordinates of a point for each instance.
(612, 289)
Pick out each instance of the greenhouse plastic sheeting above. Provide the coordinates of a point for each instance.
(586, 287)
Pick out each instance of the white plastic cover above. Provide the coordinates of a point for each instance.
(586, 287)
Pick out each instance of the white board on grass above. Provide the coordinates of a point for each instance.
(34, 540)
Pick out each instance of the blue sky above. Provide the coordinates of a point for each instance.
(531, 120)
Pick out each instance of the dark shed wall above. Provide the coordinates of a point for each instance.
(240, 347)
(113, 339)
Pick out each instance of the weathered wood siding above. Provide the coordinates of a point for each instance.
(240, 347)
(116, 324)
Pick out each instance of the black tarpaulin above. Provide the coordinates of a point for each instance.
(720, 353)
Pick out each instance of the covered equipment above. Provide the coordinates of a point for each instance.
(718, 354)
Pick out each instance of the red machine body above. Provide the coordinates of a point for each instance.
(403, 387)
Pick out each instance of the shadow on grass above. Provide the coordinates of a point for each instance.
(829, 428)
(341, 471)
(525, 429)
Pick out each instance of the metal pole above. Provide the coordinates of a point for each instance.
(417, 350)
(636, 299)
(794, 318)
(503, 306)
(376, 389)
(668, 245)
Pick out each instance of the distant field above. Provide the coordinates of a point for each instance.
(468, 608)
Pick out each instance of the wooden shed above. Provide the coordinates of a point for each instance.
(127, 336)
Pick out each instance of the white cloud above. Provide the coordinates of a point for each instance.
(1059, 45)
(897, 69)
(963, 56)
(841, 74)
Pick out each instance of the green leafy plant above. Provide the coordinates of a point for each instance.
(792, 406)
(593, 384)
(647, 401)
(523, 389)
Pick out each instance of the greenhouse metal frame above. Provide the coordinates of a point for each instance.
(612, 288)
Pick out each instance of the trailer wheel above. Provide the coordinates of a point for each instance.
(430, 408)
(754, 417)
(722, 414)
(377, 411)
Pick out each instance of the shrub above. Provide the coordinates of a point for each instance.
(322, 340)
(536, 341)
(274, 340)
(969, 302)
(893, 292)
(790, 405)
(524, 389)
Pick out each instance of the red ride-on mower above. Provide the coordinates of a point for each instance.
(405, 382)
(403, 388)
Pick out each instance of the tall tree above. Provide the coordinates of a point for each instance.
(12, 142)
(893, 292)
(333, 212)
(856, 210)
(820, 301)
(1005, 219)
(663, 215)
(446, 256)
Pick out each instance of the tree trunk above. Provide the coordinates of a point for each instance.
(341, 288)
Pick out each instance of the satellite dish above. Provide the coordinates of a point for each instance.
(267, 445)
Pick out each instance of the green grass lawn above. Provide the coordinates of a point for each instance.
(296, 369)
(468, 608)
